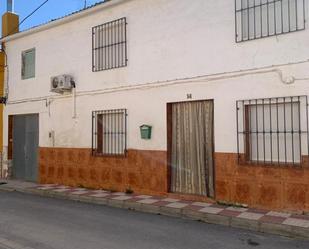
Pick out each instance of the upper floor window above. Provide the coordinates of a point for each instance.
(109, 45)
(262, 18)
(273, 131)
(28, 64)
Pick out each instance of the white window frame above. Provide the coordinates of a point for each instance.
(24, 65)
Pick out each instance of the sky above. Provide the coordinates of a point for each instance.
(51, 10)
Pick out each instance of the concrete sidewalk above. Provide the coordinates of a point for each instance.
(265, 221)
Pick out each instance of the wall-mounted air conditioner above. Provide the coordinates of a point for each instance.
(61, 83)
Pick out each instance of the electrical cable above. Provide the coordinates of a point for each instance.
(3, 50)
(188, 80)
(33, 12)
(28, 16)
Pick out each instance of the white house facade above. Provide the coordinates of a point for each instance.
(222, 85)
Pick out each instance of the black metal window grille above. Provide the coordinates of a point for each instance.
(256, 19)
(109, 45)
(273, 130)
(109, 132)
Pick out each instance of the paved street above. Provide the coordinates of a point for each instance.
(34, 222)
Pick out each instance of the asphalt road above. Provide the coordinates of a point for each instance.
(35, 222)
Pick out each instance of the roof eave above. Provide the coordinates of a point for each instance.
(61, 21)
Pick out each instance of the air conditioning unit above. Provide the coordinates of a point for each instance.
(61, 83)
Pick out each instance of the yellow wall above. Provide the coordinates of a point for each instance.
(10, 23)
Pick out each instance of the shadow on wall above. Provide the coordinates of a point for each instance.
(5, 164)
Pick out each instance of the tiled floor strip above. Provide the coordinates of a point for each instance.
(171, 205)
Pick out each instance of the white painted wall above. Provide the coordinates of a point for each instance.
(167, 40)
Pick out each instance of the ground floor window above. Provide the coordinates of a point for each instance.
(273, 130)
(109, 132)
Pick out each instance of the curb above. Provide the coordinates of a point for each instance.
(252, 225)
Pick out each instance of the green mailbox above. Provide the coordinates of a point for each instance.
(145, 131)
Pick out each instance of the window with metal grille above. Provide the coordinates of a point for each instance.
(262, 18)
(273, 130)
(109, 45)
(109, 132)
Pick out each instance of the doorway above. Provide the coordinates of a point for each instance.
(23, 146)
(191, 147)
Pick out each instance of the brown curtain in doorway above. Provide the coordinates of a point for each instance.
(192, 148)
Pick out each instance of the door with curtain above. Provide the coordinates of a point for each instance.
(190, 139)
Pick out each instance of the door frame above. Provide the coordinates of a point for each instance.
(10, 137)
(169, 126)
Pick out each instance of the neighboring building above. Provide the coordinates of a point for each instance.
(223, 87)
(10, 26)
